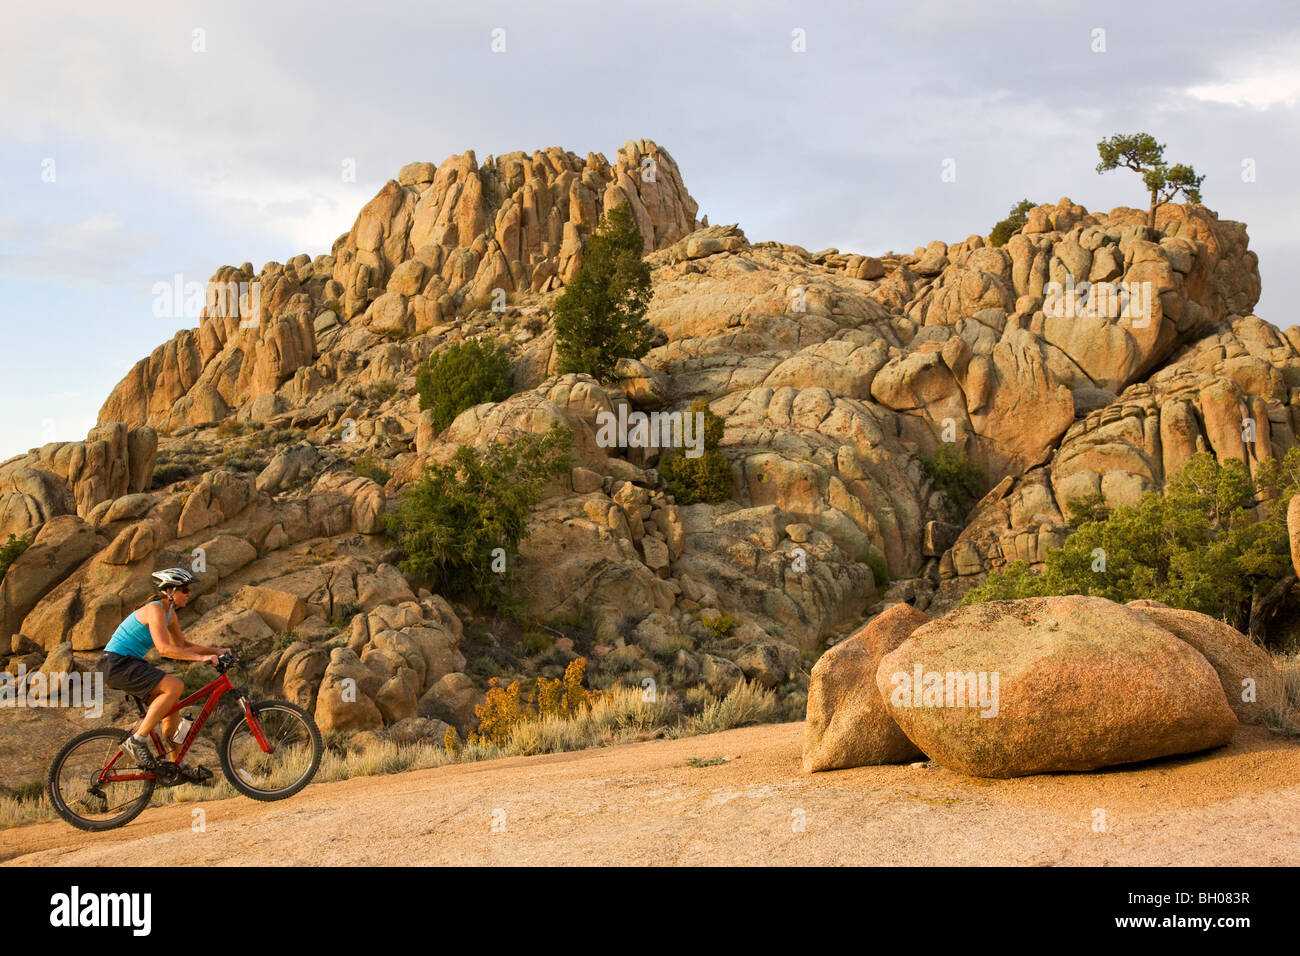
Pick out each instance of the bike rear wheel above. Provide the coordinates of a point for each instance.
(75, 789)
(296, 751)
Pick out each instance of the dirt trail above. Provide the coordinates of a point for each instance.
(641, 804)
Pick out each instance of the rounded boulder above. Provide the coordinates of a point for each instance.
(1009, 688)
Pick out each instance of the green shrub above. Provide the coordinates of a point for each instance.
(266, 439)
(196, 675)
(466, 374)
(703, 479)
(235, 461)
(343, 614)
(470, 304)
(1014, 222)
(1202, 545)
(449, 522)
(484, 668)
(376, 392)
(9, 551)
(367, 466)
(957, 475)
(535, 642)
(229, 428)
(169, 473)
(879, 570)
(283, 639)
(600, 317)
(705, 761)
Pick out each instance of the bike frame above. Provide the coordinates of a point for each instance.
(214, 691)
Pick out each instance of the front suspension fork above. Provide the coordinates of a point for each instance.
(254, 726)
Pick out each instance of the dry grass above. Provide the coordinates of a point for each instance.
(624, 716)
(748, 703)
(15, 811)
(1289, 666)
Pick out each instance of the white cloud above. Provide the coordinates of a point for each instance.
(202, 124)
(94, 249)
(1261, 91)
(311, 212)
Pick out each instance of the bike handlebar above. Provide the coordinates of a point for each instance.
(225, 662)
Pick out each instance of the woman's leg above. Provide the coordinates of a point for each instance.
(162, 699)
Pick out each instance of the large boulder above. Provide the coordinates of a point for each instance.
(1009, 688)
(1250, 680)
(289, 465)
(719, 674)
(229, 626)
(281, 610)
(223, 556)
(345, 699)
(302, 671)
(398, 698)
(769, 663)
(385, 586)
(30, 496)
(452, 699)
(848, 724)
(1293, 531)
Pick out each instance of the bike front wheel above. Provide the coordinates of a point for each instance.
(95, 785)
(288, 761)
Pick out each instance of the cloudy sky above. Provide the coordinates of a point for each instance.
(145, 140)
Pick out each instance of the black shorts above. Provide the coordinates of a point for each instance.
(132, 675)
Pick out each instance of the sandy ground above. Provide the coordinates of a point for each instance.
(641, 804)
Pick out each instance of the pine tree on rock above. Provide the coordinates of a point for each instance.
(600, 317)
(1141, 153)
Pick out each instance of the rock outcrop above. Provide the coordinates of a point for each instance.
(266, 447)
(74, 477)
(431, 240)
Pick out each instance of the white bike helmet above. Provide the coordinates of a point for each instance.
(173, 578)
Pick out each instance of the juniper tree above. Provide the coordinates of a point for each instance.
(600, 317)
(1014, 222)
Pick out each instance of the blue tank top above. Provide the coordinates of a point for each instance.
(132, 638)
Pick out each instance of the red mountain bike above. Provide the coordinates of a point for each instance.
(270, 751)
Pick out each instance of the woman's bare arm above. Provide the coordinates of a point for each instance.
(168, 642)
(175, 628)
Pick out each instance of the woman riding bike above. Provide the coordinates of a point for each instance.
(155, 625)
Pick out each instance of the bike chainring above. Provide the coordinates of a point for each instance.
(168, 774)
